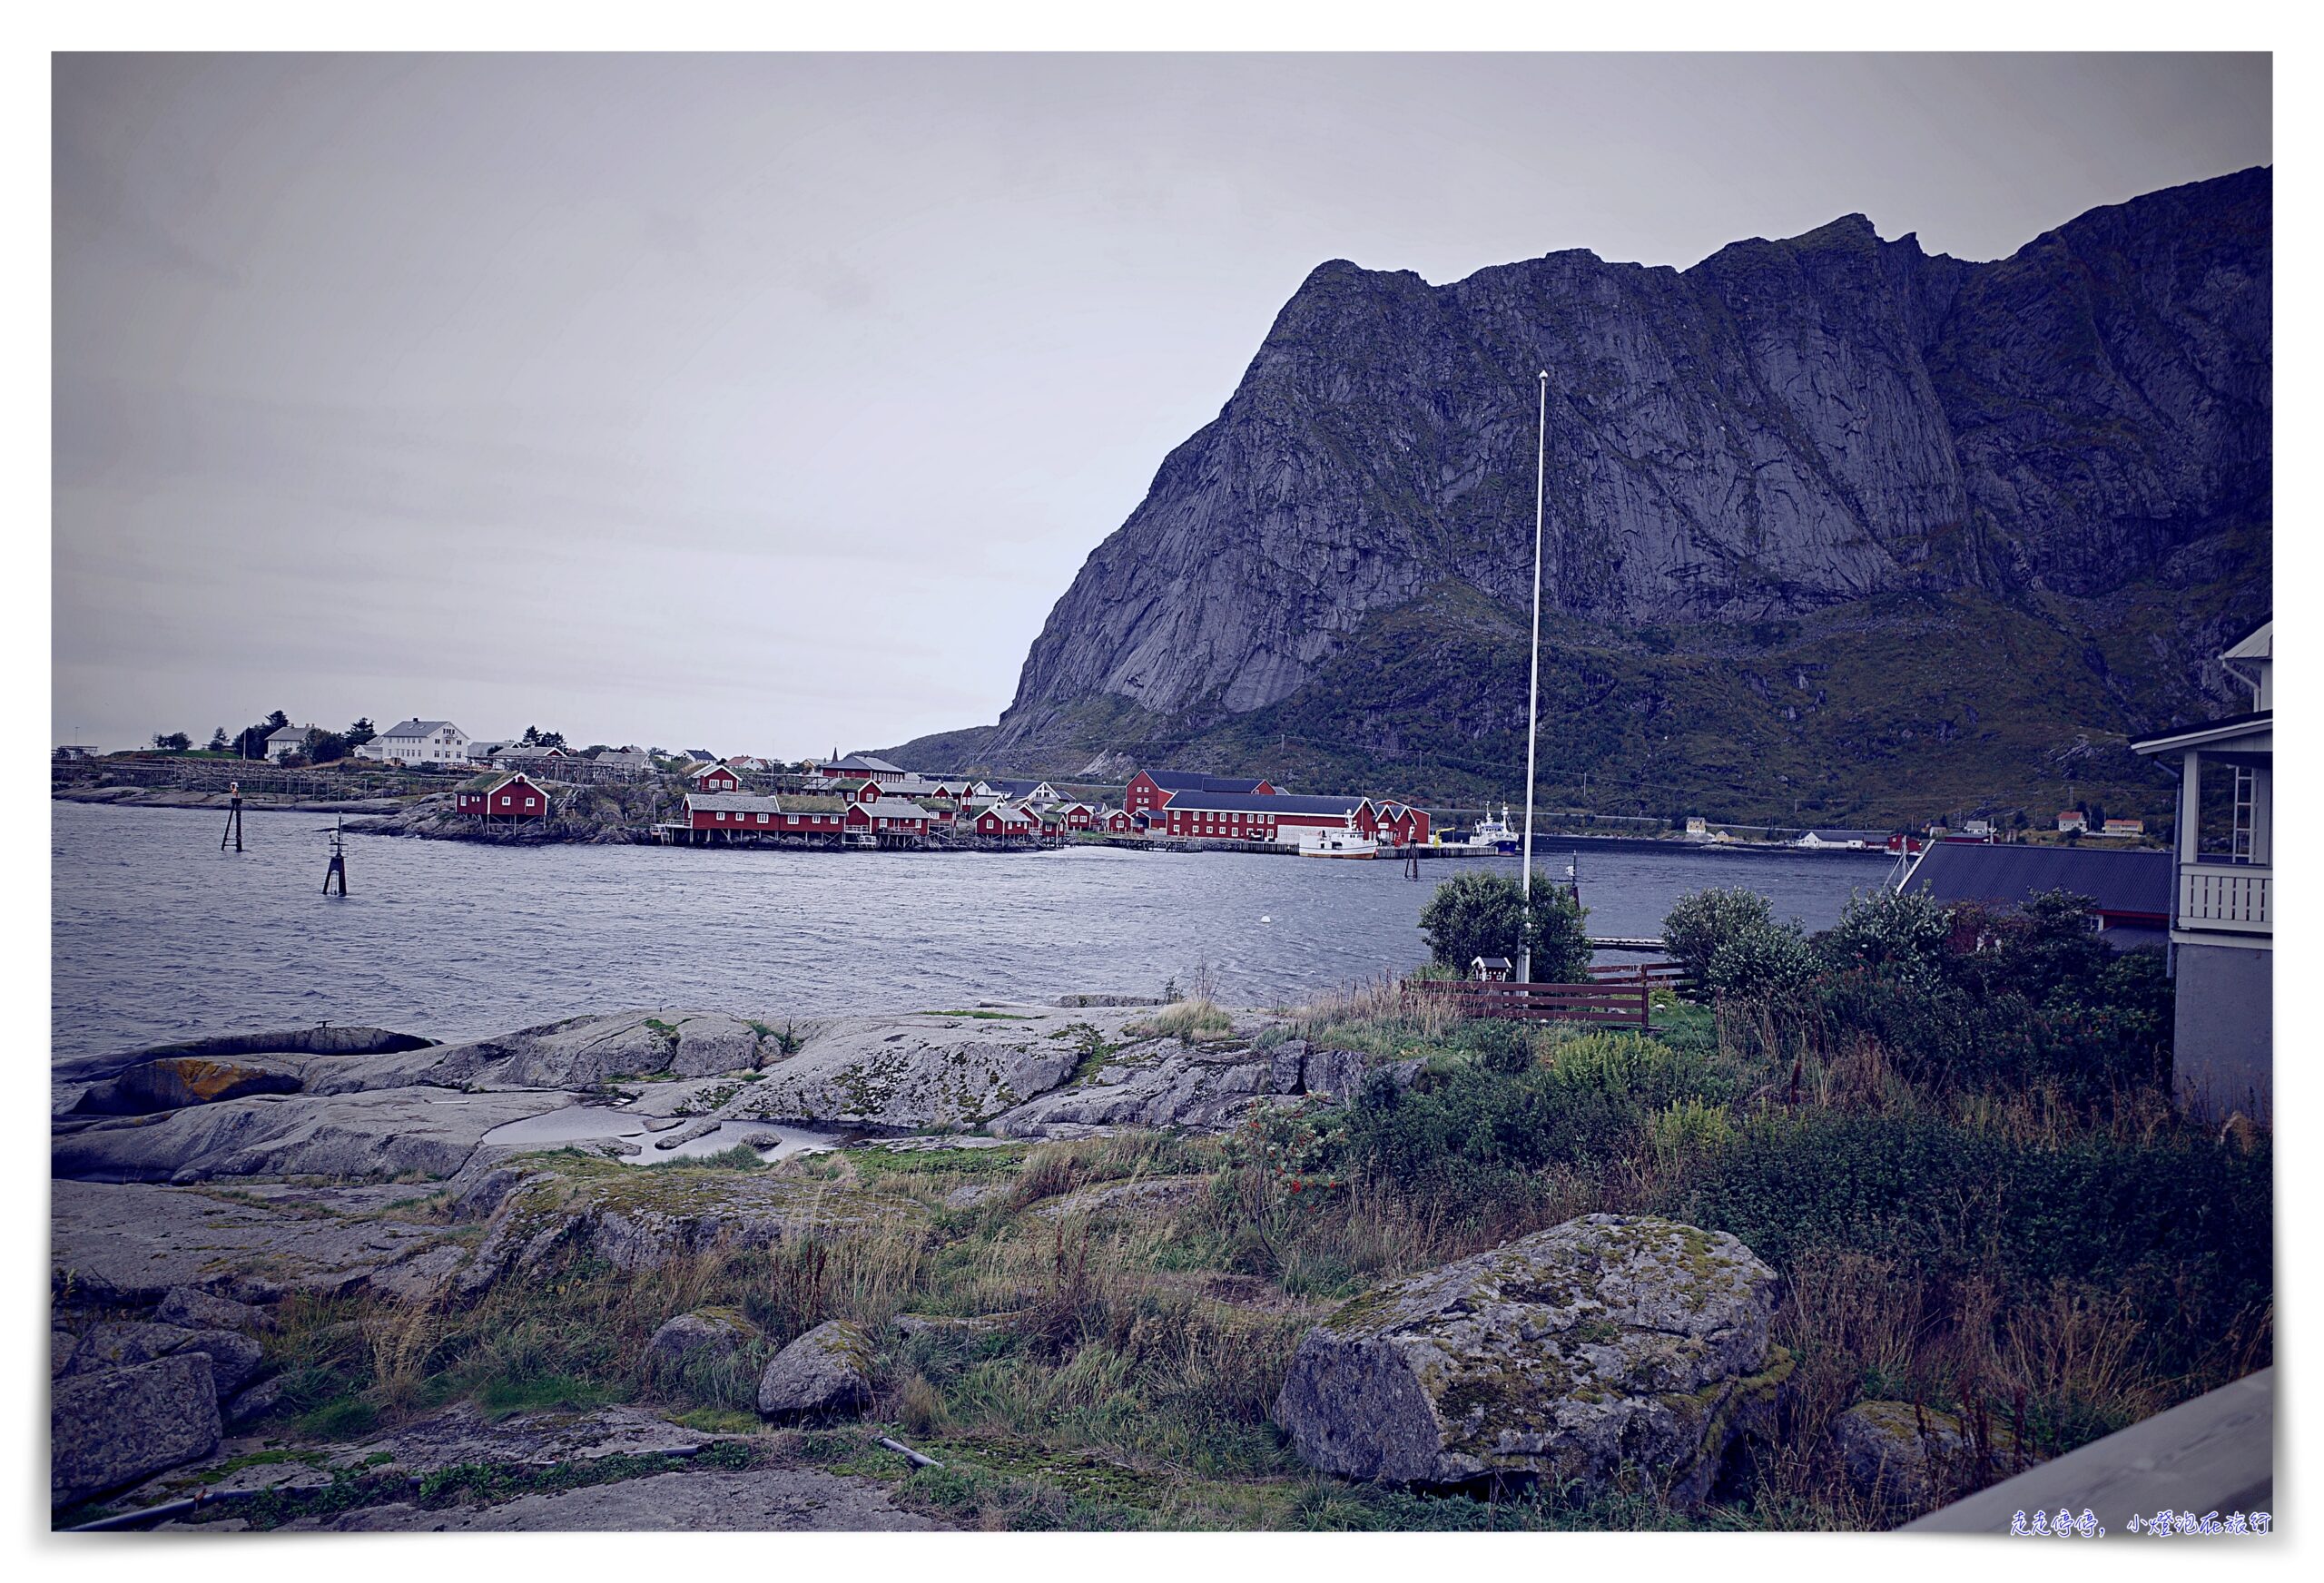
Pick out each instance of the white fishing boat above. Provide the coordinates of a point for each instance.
(1494, 835)
(1338, 843)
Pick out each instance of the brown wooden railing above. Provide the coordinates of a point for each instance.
(1655, 972)
(1625, 1003)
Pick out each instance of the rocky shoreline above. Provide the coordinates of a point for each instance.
(254, 801)
(226, 1211)
(197, 1186)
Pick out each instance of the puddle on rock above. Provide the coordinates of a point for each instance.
(580, 1124)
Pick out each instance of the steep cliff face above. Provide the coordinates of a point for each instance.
(1787, 428)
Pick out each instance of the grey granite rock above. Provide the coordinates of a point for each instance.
(195, 1309)
(1904, 1457)
(1560, 1356)
(377, 1134)
(234, 1359)
(921, 1071)
(178, 1081)
(114, 1427)
(131, 1243)
(824, 1374)
(703, 1355)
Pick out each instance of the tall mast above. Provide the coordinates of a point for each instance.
(1533, 689)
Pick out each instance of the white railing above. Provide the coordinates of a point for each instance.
(2237, 898)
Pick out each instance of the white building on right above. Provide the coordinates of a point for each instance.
(2222, 925)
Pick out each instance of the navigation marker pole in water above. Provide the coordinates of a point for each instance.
(233, 817)
(337, 869)
(1533, 692)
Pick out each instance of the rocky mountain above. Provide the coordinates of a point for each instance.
(1854, 514)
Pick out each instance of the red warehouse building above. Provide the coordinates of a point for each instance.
(713, 777)
(1402, 825)
(1006, 820)
(1150, 790)
(511, 797)
(1262, 816)
(879, 819)
(736, 813)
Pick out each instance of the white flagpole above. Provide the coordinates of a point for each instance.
(1534, 690)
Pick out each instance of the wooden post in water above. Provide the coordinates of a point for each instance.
(337, 869)
(233, 817)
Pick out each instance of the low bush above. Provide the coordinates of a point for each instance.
(1698, 924)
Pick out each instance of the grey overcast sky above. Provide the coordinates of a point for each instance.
(766, 403)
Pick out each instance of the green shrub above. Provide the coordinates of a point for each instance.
(1902, 931)
(1484, 915)
(1766, 961)
(2183, 1226)
(1698, 925)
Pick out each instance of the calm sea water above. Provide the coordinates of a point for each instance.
(156, 935)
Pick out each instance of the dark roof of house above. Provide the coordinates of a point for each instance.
(1183, 781)
(862, 761)
(2009, 875)
(1255, 802)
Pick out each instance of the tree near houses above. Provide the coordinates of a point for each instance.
(175, 742)
(251, 742)
(1484, 915)
(358, 733)
(218, 742)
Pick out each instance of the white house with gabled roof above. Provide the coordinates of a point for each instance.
(418, 742)
(2223, 906)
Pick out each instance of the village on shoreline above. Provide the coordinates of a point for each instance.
(539, 791)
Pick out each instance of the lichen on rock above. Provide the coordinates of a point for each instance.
(1565, 1356)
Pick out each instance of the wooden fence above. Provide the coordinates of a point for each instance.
(1666, 973)
(1628, 1003)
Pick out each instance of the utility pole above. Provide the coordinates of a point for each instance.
(1533, 689)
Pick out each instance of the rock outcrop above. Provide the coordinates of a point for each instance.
(113, 1426)
(182, 1080)
(234, 1359)
(1164, 1084)
(1607, 1342)
(380, 1133)
(130, 1243)
(825, 1373)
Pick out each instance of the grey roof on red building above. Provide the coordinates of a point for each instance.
(1186, 780)
(2010, 876)
(733, 802)
(1256, 803)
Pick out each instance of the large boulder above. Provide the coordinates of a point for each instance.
(116, 1426)
(1904, 1457)
(825, 1373)
(183, 1080)
(234, 1359)
(702, 1355)
(1564, 1355)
